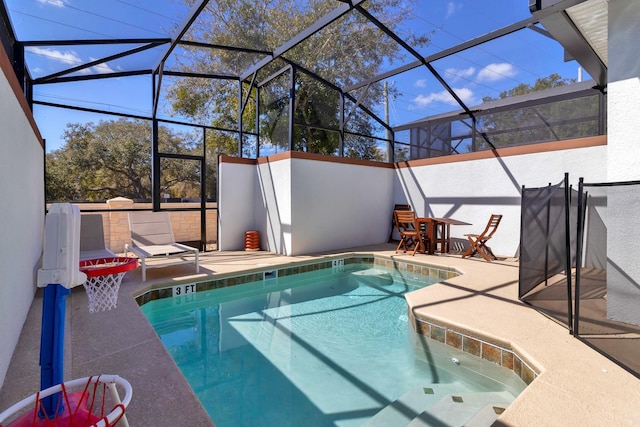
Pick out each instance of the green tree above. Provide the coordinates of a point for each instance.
(559, 120)
(543, 83)
(349, 50)
(113, 158)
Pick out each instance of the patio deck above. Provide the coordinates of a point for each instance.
(576, 386)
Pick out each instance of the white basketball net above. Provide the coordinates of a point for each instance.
(103, 291)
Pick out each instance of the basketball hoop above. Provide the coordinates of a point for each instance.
(104, 276)
(82, 408)
(54, 405)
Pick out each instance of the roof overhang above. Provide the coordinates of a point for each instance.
(581, 27)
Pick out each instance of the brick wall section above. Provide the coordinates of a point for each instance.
(118, 224)
(186, 225)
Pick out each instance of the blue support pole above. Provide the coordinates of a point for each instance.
(52, 345)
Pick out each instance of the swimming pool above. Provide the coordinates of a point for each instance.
(330, 347)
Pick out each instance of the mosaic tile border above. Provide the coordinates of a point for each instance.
(415, 271)
(477, 347)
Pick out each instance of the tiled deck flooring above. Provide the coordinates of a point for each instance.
(576, 385)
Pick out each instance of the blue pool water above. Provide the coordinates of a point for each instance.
(325, 348)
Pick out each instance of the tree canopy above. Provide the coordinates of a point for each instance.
(543, 83)
(113, 158)
(348, 50)
(553, 121)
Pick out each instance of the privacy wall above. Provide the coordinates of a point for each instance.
(471, 187)
(304, 203)
(21, 210)
(624, 164)
(237, 182)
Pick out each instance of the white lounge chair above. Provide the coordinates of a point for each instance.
(92, 244)
(152, 240)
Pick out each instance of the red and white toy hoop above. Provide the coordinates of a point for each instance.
(104, 276)
(82, 409)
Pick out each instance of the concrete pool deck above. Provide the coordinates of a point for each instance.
(575, 386)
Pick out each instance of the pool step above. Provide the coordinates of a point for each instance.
(408, 406)
(440, 406)
(372, 277)
(487, 415)
(460, 409)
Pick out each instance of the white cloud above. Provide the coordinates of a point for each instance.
(494, 72)
(452, 8)
(456, 74)
(420, 83)
(67, 57)
(70, 58)
(465, 94)
(57, 3)
(101, 68)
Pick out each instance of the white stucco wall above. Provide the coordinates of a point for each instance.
(236, 204)
(338, 205)
(308, 205)
(273, 215)
(623, 269)
(22, 220)
(302, 206)
(472, 190)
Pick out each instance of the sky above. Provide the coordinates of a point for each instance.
(475, 73)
